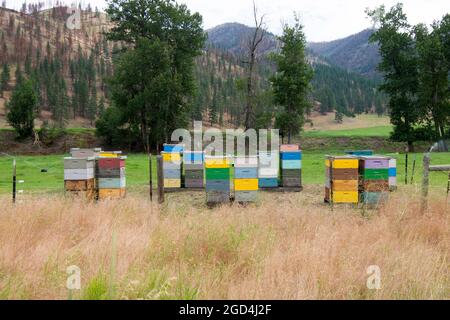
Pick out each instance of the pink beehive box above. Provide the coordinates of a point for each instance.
(289, 147)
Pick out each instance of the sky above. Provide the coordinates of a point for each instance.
(324, 20)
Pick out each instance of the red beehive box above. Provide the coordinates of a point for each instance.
(111, 163)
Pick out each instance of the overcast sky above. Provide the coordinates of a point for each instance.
(324, 20)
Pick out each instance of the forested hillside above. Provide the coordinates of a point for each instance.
(345, 70)
(71, 68)
(353, 53)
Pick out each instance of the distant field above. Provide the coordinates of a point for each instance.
(382, 131)
(328, 123)
(29, 169)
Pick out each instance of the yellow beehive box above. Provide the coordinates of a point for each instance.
(108, 155)
(345, 197)
(345, 163)
(246, 184)
(172, 183)
(345, 185)
(111, 193)
(217, 163)
(169, 157)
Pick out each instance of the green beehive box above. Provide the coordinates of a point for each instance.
(218, 173)
(376, 174)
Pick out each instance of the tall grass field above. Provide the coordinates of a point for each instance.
(287, 246)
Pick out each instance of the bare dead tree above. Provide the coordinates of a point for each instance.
(254, 42)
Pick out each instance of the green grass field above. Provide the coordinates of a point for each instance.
(380, 131)
(29, 170)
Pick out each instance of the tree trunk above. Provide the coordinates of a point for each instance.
(249, 104)
(410, 146)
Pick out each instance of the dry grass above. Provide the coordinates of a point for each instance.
(328, 122)
(286, 247)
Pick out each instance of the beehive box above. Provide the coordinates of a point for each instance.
(110, 154)
(291, 166)
(218, 175)
(392, 174)
(172, 169)
(193, 163)
(360, 153)
(268, 169)
(79, 177)
(173, 148)
(341, 179)
(111, 176)
(246, 183)
(373, 179)
(85, 153)
(109, 194)
(79, 185)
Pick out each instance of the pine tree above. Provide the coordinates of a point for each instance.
(19, 76)
(4, 79)
(293, 71)
(22, 109)
(399, 65)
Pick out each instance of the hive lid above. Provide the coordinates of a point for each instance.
(79, 158)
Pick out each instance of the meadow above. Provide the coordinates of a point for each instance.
(52, 181)
(287, 246)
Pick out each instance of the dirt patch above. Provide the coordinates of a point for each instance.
(87, 139)
(60, 145)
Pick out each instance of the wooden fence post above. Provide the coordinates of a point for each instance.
(425, 182)
(150, 175)
(448, 184)
(413, 169)
(160, 180)
(406, 168)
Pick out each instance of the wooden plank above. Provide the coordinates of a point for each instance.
(440, 167)
(181, 190)
(282, 189)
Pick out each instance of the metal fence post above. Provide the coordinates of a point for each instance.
(160, 180)
(14, 186)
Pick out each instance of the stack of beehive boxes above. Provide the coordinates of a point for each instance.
(268, 169)
(291, 166)
(218, 176)
(79, 176)
(374, 179)
(246, 178)
(392, 174)
(111, 176)
(172, 166)
(341, 182)
(193, 163)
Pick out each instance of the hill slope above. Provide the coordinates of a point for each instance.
(353, 53)
(338, 83)
(71, 69)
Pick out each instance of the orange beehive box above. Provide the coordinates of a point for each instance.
(111, 193)
(79, 185)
